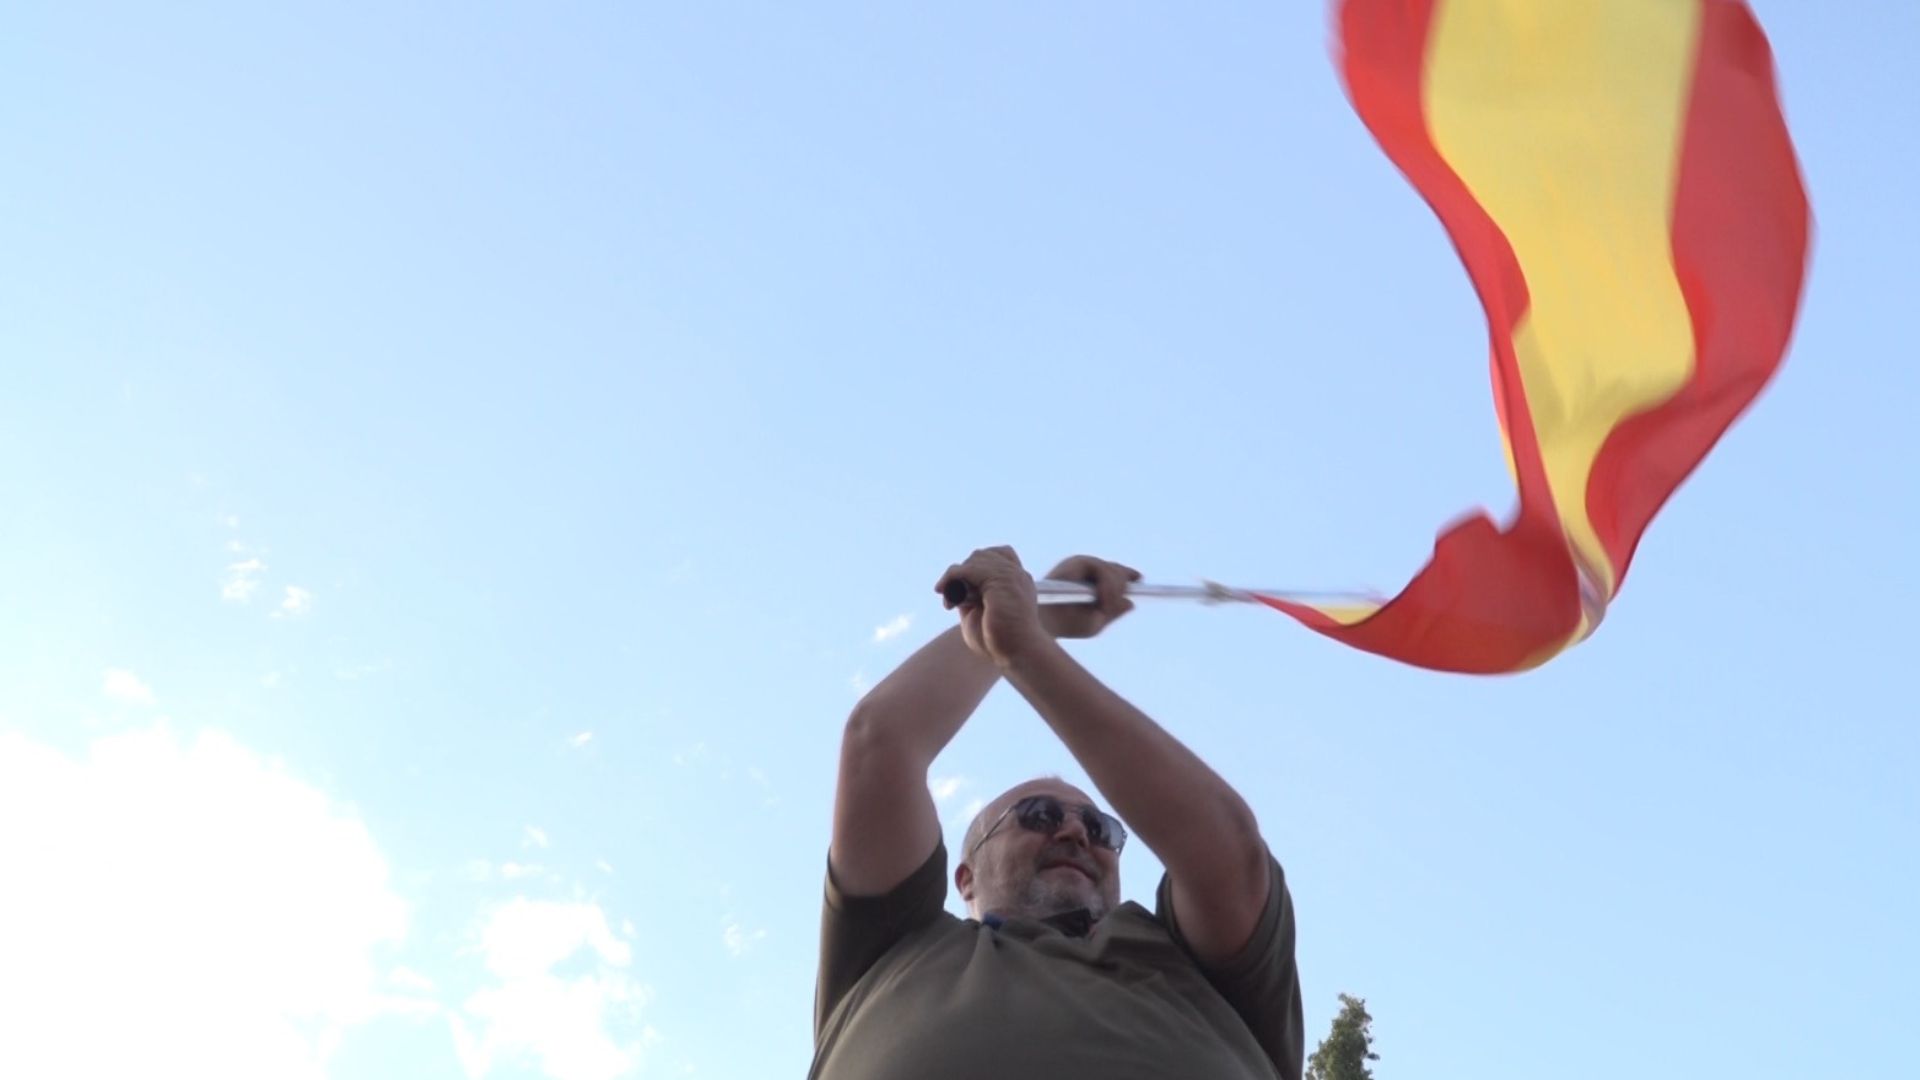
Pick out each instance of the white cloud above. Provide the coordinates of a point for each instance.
(271, 680)
(514, 871)
(527, 937)
(576, 1027)
(946, 787)
(536, 837)
(580, 740)
(296, 602)
(738, 939)
(239, 911)
(123, 685)
(626, 928)
(892, 629)
(859, 683)
(242, 580)
(231, 521)
(605, 866)
(408, 979)
(974, 807)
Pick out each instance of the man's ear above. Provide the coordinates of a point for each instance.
(963, 880)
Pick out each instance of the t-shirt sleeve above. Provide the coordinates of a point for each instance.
(1262, 983)
(856, 931)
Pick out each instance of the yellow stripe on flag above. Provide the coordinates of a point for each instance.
(1564, 118)
(1348, 614)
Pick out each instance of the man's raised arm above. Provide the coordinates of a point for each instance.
(884, 822)
(1201, 829)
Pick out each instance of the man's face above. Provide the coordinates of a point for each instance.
(1022, 873)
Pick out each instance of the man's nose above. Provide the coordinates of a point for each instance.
(1073, 828)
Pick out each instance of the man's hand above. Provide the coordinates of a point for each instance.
(1002, 618)
(1109, 581)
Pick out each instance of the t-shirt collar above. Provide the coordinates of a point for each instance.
(1076, 923)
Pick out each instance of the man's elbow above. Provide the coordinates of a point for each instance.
(1240, 823)
(1242, 835)
(1224, 850)
(871, 740)
(867, 730)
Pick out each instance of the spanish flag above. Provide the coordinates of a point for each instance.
(1619, 182)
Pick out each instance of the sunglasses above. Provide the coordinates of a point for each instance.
(1045, 814)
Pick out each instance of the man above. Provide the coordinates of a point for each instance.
(1052, 975)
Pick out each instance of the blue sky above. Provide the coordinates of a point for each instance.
(462, 465)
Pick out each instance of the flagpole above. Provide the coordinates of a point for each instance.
(1074, 592)
(1207, 592)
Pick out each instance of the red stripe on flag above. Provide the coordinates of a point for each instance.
(1489, 601)
(1741, 228)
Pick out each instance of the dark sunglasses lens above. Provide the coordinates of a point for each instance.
(1096, 823)
(1041, 813)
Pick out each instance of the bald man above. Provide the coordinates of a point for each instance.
(1052, 974)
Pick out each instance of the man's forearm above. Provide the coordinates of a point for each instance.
(918, 708)
(1201, 829)
(884, 822)
(1178, 805)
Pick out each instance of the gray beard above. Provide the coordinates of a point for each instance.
(1043, 898)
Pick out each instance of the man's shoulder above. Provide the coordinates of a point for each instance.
(936, 928)
(1140, 918)
(1140, 934)
(859, 932)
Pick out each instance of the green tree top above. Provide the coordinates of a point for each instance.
(1344, 1053)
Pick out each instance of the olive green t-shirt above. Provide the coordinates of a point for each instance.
(908, 991)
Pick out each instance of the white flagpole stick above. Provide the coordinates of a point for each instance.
(1073, 592)
(1208, 592)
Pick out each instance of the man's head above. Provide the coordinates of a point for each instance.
(1021, 859)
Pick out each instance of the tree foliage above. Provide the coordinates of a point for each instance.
(1344, 1053)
